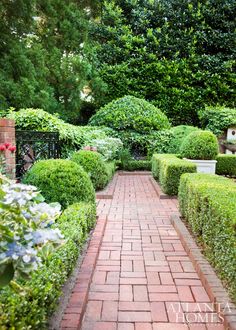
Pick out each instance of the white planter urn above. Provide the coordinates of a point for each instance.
(204, 166)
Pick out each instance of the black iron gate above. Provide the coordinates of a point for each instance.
(32, 146)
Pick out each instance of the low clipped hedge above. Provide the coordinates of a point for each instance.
(226, 165)
(94, 165)
(200, 145)
(156, 163)
(138, 165)
(42, 291)
(168, 169)
(61, 181)
(208, 203)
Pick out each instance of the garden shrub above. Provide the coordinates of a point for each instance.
(208, 203)
(41, 293)
(94, 165)
(218, 118)
(171, 170)
(156, 163)
(61, 181)
(200, 145)
(137, 165)
(108, 147)
(72, 137)
(132, 113)
(179, 134)
(226, 164)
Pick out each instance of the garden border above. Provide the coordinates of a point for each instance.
(74, 312)
(205, 271)
(108, 192)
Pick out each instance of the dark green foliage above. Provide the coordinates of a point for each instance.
(43, 64)
(226, 165)
(217, 119)
(61, 181)
(179, 134)
(200, 145)
(44, 288)
(130, 113)
(178, 54)
(94, 165)
(208, 203)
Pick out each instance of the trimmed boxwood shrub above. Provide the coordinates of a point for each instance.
(156, 163)
(226, 165)
(208, 203)
(44, 288)
(130, 112)
(110, 168)
(61, 181)
(171, 170)
(179, 134)
(200, 145)
(94, 165)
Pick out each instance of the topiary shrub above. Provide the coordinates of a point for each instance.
(200, 145)
(94, 165)
(179, 133)
(61, 181)
(226, 165)
(132, 113)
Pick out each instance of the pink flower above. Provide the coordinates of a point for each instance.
(2, 147)
(7, 145)
(86, 148)
(93, 148)
(12, 149)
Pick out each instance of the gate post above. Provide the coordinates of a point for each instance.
(7, 136)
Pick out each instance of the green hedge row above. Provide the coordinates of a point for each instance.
(168, 170)
(30, 308)
(208, 203)
(226, 165)
(110, 169)
(142, 165)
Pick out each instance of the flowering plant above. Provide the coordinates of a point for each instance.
(26, 232)
(3, 148)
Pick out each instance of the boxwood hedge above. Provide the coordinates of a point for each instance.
(226, 165)
(208, 203)
(29, 307)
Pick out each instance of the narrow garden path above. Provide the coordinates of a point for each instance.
(143, 278)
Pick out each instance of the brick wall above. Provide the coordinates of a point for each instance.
(7, 135)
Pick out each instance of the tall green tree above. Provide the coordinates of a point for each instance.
(179, 54)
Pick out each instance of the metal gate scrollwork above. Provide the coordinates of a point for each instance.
(32, 146)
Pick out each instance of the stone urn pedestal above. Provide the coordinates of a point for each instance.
(204, 166)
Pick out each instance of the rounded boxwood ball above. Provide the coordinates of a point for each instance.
(94, 165)
(62, 181)
(200, 145)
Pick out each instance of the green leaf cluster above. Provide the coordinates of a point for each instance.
(208, 203)
(226, 165)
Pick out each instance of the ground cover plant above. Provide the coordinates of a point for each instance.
(208, 203)
(62, 181)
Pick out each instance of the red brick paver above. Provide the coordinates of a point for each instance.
(143, 278)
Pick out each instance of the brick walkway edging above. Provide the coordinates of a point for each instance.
(211, 282)
(73, 314)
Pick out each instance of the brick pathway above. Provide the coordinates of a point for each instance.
(143, 279)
